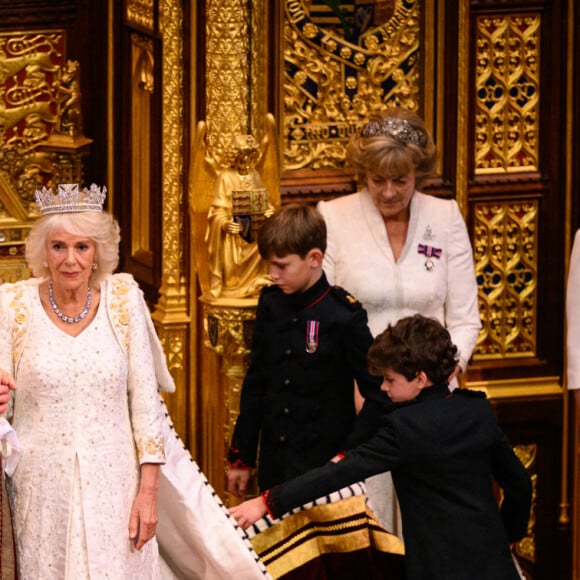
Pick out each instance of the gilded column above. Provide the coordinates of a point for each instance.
(171, 313)
(235, 106)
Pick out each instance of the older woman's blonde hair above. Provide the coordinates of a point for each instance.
(100, 227)
(385, 155)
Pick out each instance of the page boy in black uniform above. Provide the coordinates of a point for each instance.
(309, 346)
(444, 450)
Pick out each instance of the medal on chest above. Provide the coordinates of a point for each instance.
(431, 254)
(312, 327)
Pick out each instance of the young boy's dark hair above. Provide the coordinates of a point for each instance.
(414, 344)
(295, 229)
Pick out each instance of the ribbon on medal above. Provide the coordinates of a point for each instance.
(312, 327)
(429, 252)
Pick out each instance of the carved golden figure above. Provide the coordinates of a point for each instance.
(69, 99)
(240, 202)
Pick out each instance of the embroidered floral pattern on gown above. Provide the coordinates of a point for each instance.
(75, 415)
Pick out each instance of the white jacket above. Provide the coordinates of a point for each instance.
(442, 286)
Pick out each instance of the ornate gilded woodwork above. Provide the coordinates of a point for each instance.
(340, 67)
(259, 20)
(526, 547)
(505, 251)
(30, 64)
(241, 187)
(228, 332)
(41, 129)
(41, 133)
(507, 91)
(496, 139)
(141, 12)
(142, 94)
(171, 314)
(228, 78)
(236, 65)
(236, 77)
(463, 113)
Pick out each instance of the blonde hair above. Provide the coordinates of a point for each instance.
(100, 227)
(385, 155)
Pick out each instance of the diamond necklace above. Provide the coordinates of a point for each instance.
(64, 317)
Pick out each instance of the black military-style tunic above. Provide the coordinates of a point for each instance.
(444, 451)
(297, 397)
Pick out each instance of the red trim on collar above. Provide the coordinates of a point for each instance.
(321, 297)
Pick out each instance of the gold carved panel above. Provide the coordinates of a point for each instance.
(228, 45)
(507, 93)
(171, 314)
(505, 252)
(141, 12)
(526, 547)
(142, 88)
(30, 70)
(41, 133)
(228, 331)
(341, 65)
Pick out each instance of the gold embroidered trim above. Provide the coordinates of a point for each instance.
(119, 310)
(153, 446)
(18, 305)
(343, 526)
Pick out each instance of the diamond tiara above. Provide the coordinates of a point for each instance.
(70, 199)
(398, 129)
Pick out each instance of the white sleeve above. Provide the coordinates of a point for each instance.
(6, 351)
(461, 303)
(9, 445)
(573, 316)
(142, 384)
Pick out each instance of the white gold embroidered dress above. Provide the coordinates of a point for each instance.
(84, 423)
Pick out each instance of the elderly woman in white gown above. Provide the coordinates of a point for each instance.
(93, 434)
(399, 251)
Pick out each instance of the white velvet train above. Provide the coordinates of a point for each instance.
(198, 539)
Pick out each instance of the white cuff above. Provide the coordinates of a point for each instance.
(9, 446)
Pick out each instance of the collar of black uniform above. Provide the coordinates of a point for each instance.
(434, 391)
(315, 293)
